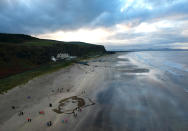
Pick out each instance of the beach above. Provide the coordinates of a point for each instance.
(109, 93)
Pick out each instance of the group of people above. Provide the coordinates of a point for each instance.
(65, 120)
(49, 123)
(83, 92)
(41, 112)
(29, 119)
(21, 113)
(58, 90)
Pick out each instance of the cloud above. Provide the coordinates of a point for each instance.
(160, 34)
(97, 35)
(38, 16)
(108, 22)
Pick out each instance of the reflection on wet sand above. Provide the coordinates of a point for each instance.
(138, 70)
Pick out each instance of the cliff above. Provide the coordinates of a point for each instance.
(20, 52)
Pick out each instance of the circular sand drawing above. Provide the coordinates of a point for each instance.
(71, 104)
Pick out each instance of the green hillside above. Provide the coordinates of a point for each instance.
(22, 53)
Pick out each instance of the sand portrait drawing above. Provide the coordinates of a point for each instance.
(72, 104)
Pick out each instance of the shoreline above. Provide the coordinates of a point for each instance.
(42, 90)
(12, 81)
(128, 95)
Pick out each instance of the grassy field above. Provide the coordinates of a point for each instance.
(12, 81)
(39, 43)
(22, 78)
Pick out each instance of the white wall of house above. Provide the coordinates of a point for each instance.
(53, 59)
(62, 56)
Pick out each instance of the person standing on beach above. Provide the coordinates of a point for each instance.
(49, 123)
(21, 113)
(75, 114)
(13, 107)
(28, 119)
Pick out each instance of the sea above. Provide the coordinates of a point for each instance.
(173, 64)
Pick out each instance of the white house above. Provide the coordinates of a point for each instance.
(53, 59)
(62, 56)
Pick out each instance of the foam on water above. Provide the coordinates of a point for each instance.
(160, 60)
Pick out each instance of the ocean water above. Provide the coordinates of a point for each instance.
(171, 61)
(171, 64)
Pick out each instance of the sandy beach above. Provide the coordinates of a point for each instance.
(111, 94)
(76, 80)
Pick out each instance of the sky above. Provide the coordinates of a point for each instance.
(116, 24)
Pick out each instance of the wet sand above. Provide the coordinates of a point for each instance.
(128, 96)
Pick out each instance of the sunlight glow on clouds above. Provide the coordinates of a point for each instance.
(144, 27)
(86, 35)
(114, 23)
(157, 34)
(152, 27)
(122, 33)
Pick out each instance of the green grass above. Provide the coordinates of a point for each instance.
(40, 43)
(29, 53)
(22, 78)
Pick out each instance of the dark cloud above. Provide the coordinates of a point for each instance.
(42, 16)
(38, 16)
(160, 9)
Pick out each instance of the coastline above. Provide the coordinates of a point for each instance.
(43, 90)
(113, 93)
(12, 81)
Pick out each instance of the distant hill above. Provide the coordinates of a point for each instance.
(19, 52)
(15, 38)
(150, 49)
